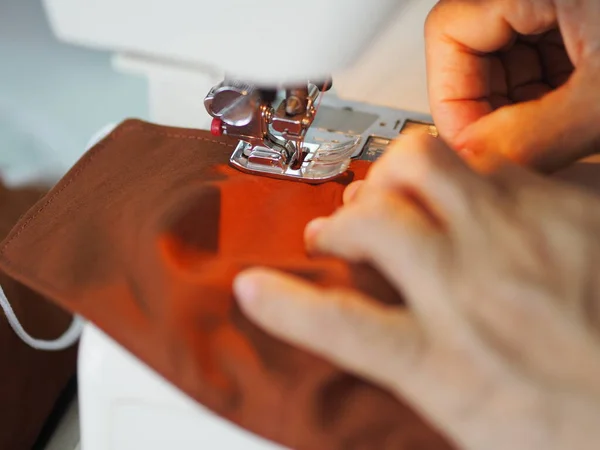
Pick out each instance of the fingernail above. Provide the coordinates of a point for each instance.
(245, 288)
(314, 228)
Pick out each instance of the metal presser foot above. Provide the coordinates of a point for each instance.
(273, 140)
(312, 163)
(291, 141)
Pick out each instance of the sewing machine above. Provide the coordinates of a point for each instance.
(261, 72)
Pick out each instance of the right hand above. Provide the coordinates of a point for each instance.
(499, 347)
(517, 77)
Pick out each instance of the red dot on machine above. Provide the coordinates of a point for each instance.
(216, 127)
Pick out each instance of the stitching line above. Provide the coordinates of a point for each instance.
(91, 156)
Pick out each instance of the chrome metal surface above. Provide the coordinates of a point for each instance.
(241, 161)
(235, 103)
(296, 101)
(311, 146)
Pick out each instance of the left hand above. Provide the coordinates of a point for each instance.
(500, 346)
(519, 78)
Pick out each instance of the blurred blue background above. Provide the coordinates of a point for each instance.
(53, 96)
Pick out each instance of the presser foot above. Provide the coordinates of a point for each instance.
(318, 162)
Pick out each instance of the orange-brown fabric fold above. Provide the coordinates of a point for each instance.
(144, 236)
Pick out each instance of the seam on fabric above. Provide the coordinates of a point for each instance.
(90, 157)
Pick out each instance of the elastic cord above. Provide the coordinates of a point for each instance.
(70, 337)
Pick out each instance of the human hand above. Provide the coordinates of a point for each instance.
(517, 77)
(499, 347)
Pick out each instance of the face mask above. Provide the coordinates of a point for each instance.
(73, 333)
(70, 337)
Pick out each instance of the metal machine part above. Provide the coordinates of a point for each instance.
(295, 138)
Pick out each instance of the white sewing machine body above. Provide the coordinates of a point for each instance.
(124, 405)
(180, 46)
(183, 47)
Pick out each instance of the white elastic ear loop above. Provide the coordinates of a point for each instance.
(70, 337)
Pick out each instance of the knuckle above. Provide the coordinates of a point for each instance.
(341, 235)
(374, 210)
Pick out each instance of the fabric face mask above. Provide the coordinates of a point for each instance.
(144, 236)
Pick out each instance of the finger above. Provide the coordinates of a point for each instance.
(393, 235)
(460, 34)
(429, 170)
(528, 92)
(377, 212)
(351, 191)
(499, 101)
(491, 165)
(578, 22)
(558, 79)
(348, 329)
(547, 134)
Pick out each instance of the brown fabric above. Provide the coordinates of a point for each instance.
(30, 380)
(144, 236)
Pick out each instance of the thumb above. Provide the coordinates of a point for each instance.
(546, 134)
(352, 331)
